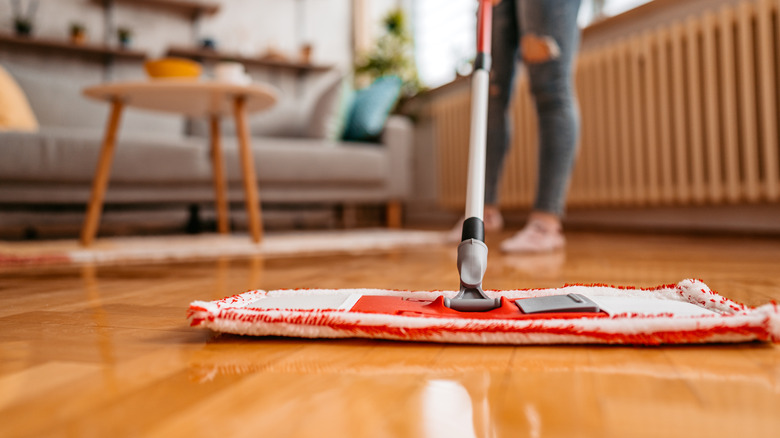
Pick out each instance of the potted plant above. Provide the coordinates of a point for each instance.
(125, 36)
(208, 43)
(392, 55)
(78, 33)
(22, 26)
(23, 22)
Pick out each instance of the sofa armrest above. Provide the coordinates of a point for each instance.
(398, 138)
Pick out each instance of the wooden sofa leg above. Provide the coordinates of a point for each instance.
(349, 216)
(394, 214)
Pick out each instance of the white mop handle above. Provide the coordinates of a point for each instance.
(475, 188)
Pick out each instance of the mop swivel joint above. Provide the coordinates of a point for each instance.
(472, 263)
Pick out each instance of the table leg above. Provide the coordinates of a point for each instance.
(218, 167)
(248, 168)
(394, 214)
(100, 180)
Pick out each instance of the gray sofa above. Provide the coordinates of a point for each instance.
(164, 160)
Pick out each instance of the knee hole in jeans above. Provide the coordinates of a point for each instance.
(537, 49)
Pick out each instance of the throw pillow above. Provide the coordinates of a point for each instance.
(340, 119)
(327, 120)
(371, 107)
(15, 111)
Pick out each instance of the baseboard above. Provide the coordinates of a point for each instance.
(740, 219)
(734, 219)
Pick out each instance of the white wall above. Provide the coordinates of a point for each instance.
(250, 27)
(245, 26)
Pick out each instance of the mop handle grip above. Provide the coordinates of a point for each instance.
(484, 23)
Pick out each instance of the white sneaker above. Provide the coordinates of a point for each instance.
(493, 222)
(535, 237)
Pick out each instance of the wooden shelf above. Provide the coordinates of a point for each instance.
(215, 56)
(193, 9)
(43, 44)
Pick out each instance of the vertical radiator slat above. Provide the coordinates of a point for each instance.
(440, 154)
(613, 127)
(625, 122)
(448, 150)
(767, 52)
(747, 95)
(596, 133)
(445, 145)
(711, 105)
(665, 116)
(600, 139)
(582, 168)
(729, 104)
(639, 145)
(696, 142)
(462, 165)
(451, 151)
(650, 155)
(681, 173)
(589, 133)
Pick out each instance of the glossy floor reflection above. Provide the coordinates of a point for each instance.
(106, 351)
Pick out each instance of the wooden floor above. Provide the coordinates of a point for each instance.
(106, 352)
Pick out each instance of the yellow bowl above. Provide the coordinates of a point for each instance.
(172, 68)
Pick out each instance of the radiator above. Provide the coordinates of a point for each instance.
(685, 114)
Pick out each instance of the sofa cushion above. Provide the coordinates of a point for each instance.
(71, 155)
(328, 117)
(15, 111)
(306, 161)
(371, 107)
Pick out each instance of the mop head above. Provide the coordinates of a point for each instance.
(688, 312)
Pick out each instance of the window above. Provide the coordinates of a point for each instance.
(599, 9)
(444, 33)
(444, 38)
(614, 7)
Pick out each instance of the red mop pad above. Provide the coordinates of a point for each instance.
(688, 312)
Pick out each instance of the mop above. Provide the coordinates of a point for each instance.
(686, 312)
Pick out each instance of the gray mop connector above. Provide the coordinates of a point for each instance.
(472, 263)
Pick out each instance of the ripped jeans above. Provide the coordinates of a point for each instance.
(544, 34)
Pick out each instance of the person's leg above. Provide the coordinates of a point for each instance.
(505, 38)
(549, 42)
